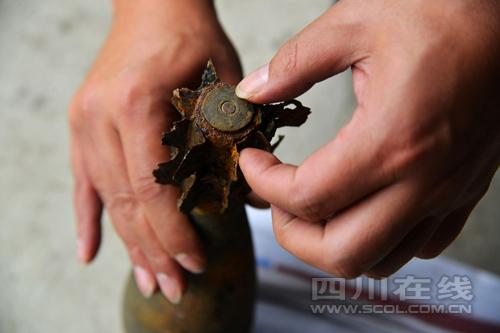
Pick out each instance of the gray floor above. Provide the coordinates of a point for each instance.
(45, 49)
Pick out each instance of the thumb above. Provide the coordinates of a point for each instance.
(324, 48)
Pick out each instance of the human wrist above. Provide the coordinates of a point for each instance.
(119, 4)
(185, 8)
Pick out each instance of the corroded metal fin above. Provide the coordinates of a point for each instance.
(188, 164)
(293, 113)
(188, 198)
(163, 174)
(277, 143)
(215, 127)
(257, 140)
(184, 100)
(187, 140)
(209, 76)
(194, 137)
(176, 136)
(290, 113)
(230, 175)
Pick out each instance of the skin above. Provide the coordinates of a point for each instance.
(401, 178)
(117, 118)
(398, 181)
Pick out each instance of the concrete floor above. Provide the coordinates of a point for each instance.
(46, 47)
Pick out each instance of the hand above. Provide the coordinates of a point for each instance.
(403, 175)
(116, 120)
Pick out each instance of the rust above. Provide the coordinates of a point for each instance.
(215, 126)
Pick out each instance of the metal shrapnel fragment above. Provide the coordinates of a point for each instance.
(215, 126)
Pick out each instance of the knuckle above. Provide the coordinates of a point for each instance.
(75, 118)
(415, 148)
(135, 99)
(402, 158)
(129, 239)
(74, 121)
(286, 59)
(145, 188)
(122, 203)
(302, 199)
(81, 186)
(133, 250)
(280, 235)
(159, 261)
(345, 270)
(128, 106)
(344, 266)
(87, 98)
(82, 107)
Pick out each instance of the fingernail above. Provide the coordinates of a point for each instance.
(80, 246)
(169, 287)
(253, 83)
(190, 263)
(145, 281)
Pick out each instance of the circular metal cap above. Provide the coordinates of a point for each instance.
(225, 111)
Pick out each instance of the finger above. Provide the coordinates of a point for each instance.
(87, 205)
(447, 232)
(129, 220)
(255, 201)
(356, 239)
(406, 250)
(143, 274)
(299, 237)
(151, 264)
(337, 175)
(168, 273)
(327, 46)
(141, 132)
(470, 190)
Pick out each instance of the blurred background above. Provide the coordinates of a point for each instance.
(46, 47)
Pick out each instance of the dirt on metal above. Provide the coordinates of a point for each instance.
(215, 126)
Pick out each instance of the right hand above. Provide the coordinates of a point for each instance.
(403, 175)
(116, 121)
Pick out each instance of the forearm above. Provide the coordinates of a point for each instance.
(158, 4)
(165, 9)
(142, 16)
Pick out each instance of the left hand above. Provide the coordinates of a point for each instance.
(116, 121)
